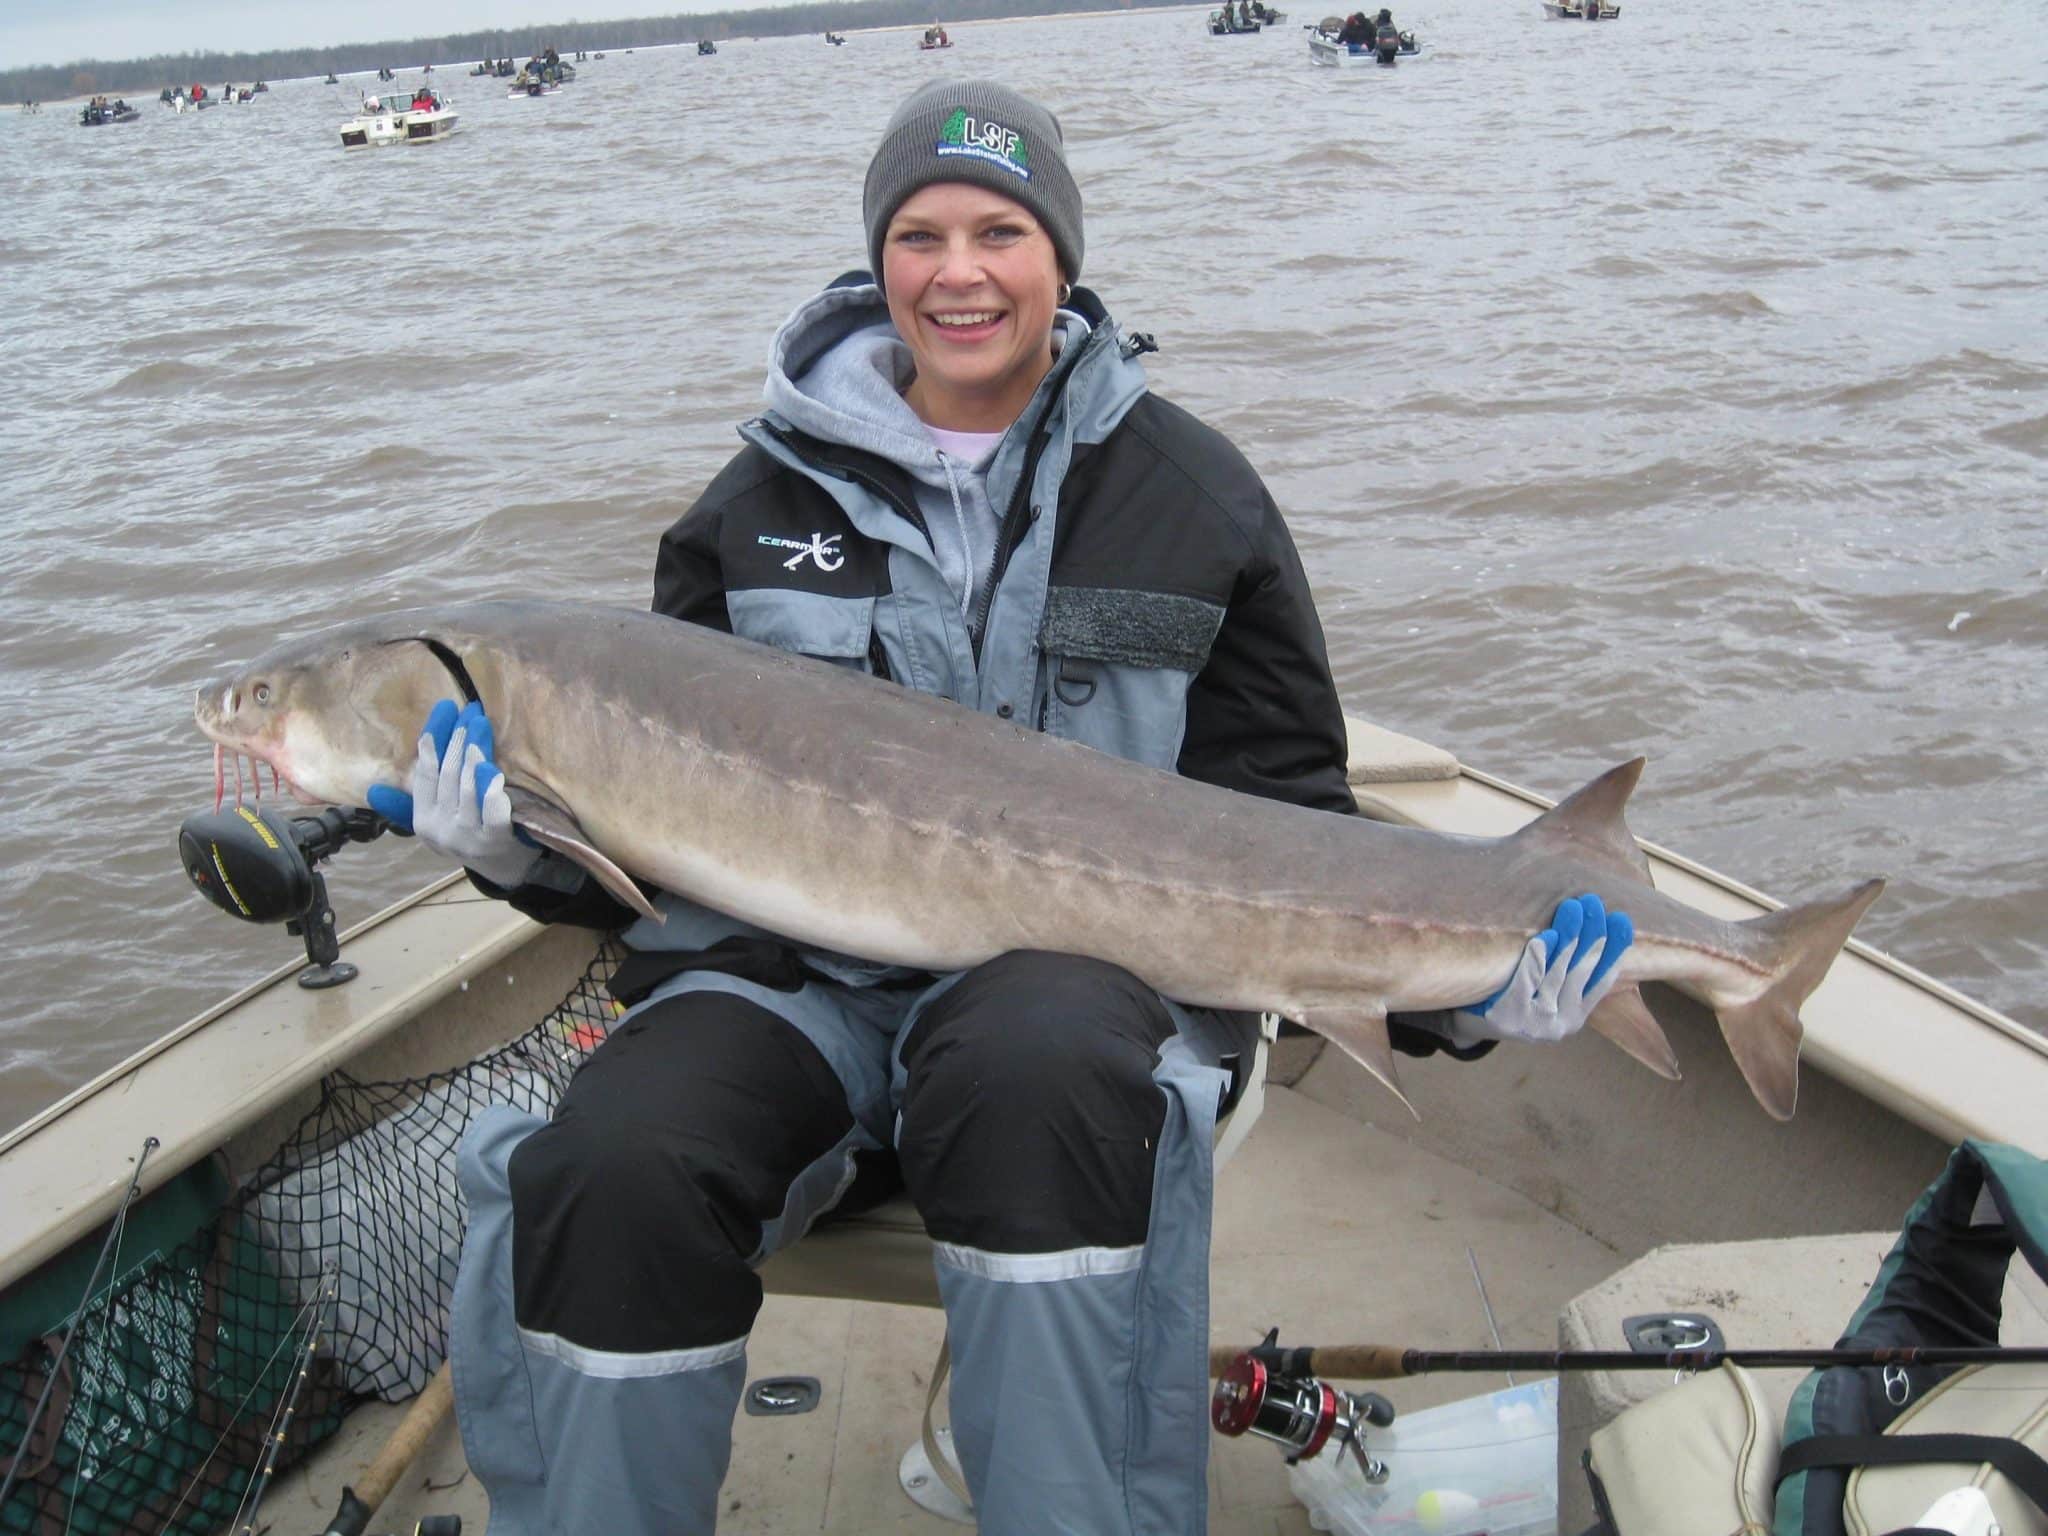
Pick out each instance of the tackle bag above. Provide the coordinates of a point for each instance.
(1863, 1451)
(1867, 1449)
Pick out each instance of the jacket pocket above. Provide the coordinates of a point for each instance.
(1116, 666)
(835, 629)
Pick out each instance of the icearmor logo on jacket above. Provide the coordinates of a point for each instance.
(821, 551)
(966, 134)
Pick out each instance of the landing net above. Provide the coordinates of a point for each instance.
(184, 1359)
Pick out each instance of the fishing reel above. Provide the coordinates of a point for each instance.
(1262, 1392)
(263, 867)
(353, 1519)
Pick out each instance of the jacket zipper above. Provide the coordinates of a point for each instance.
(1014, 523)
(859, 477)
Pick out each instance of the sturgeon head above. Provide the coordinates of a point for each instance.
(328, 715)
(341, 710)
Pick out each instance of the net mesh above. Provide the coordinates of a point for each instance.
(193, 1357)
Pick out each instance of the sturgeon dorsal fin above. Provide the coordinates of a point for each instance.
(1590, 823)
(554, 828)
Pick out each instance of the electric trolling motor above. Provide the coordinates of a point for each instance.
(1264, 1392)
(263, 867)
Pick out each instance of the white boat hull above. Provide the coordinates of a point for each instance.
(374, 130)
(1331, 54)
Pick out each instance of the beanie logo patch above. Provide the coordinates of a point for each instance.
(965, 134)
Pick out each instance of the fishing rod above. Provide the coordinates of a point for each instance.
(1384, 1362)
(92, 1281)
(281, 1423)
(1282, 1394)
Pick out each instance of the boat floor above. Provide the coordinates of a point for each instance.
(1286, 1252)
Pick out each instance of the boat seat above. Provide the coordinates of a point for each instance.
(885, 1254)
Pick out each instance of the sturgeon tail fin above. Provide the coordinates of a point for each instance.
(1799, 944)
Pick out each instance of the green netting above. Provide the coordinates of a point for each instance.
(182, 1362)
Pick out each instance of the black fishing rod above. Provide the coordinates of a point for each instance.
(279, 1432)
(1284, 1394)
(1384, 1362)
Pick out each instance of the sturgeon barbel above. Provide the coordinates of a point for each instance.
(849, 813)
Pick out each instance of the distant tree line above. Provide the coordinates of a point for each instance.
(84, 77)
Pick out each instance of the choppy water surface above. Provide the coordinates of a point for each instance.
(1675, 386)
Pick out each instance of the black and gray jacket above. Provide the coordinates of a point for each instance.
(1118, 577)
(1137, 592)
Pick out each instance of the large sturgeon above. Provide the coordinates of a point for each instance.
(859, 816)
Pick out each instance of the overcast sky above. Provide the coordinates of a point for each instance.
(60, 31)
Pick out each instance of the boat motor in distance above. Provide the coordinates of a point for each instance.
(263, 867)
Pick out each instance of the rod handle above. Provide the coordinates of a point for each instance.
(413, 1432)
(1343, 1362)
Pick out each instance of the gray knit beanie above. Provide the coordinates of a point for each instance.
(980, 132)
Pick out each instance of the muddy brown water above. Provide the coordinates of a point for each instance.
(1676, 386)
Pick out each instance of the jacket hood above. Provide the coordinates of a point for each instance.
(837, 370)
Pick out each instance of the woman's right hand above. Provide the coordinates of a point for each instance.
(458, 806)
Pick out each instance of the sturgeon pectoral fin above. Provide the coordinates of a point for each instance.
(554, 828)
(1626, 1020)
(1362, 1035)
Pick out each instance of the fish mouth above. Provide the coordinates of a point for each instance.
(280, 781)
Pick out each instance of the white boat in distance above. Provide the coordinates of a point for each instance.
(399, 118)
(1553, 1167)
(1580, 10)
(1325, 50)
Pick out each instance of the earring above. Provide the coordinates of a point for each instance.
(1066, 292)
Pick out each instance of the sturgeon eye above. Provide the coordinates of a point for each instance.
(262, 692)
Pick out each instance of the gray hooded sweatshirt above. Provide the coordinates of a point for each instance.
(837, 371)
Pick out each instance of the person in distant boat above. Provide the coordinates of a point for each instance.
(1244, 15)
(423, 100)
(1356, 30)
(959, 448)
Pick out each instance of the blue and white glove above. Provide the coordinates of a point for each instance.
(458, 806)
(1563, 974)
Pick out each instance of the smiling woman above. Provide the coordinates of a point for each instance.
(963, 484)
(972, 282)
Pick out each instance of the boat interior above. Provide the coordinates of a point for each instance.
(1520, 1182)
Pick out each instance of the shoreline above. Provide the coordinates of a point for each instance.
(735, 36)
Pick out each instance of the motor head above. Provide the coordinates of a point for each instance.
(258, 864)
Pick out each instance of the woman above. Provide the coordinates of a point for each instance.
(961, 482)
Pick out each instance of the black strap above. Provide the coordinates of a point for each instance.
(2022, 1468)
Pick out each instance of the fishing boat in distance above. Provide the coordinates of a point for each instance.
(422, 117)
(100, 111)
(1325, 49)
(300, 1158)
(1580, 10)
